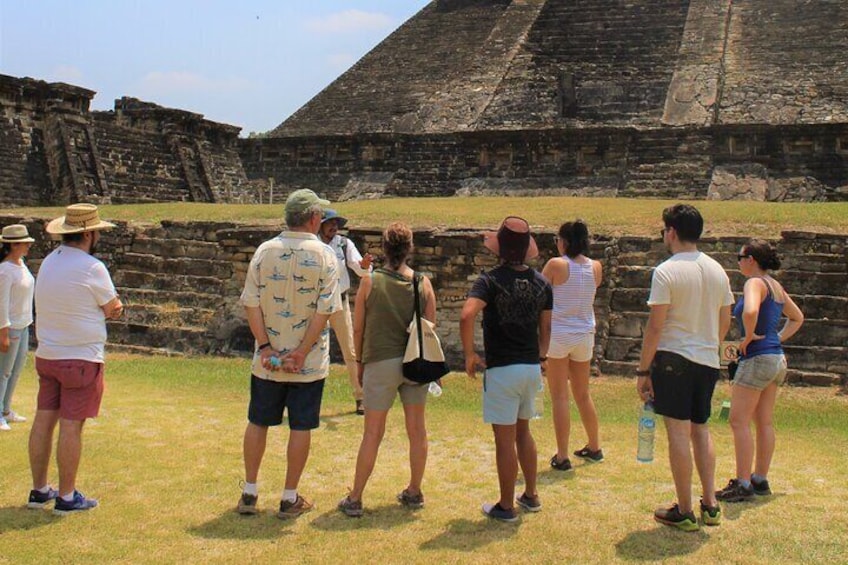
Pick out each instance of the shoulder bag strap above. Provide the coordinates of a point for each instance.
(417, 315)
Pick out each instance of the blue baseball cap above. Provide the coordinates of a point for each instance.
(330, 214)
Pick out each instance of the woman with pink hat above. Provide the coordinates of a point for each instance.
(17, 286)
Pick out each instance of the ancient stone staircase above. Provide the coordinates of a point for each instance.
(173, 290)
(133, 158)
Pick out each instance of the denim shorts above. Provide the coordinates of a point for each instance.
(760, 371)
(508, 393)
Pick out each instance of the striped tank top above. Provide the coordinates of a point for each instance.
(574, 315)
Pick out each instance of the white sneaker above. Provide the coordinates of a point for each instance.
(4, 425)
(14, 418)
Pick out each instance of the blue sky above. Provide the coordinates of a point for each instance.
(249, 63)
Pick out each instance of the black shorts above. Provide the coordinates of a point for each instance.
(683, 389)
(268, 399)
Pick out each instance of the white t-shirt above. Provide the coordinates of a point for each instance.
(348, 256)
(16, 289)
(71, 288)
(696, 288)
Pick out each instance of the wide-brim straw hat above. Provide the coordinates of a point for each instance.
(16, 233)
(78, 218)
(512, 242)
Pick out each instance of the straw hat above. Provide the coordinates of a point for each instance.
(512, 242)
(78, 218)
(16, 233)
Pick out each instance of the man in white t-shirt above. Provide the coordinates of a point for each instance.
(74, 296)
(690, 304)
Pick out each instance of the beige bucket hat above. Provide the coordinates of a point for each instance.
(78, 218)
(15, 233)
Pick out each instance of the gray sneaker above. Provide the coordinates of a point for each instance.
(529, 503)
(414, 501)
(294, 509)
(247, 504)
(352, 508)
(495, 512)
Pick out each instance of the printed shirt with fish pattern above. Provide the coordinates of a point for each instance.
(291, 278)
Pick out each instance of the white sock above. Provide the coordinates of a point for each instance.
(251, 488)
(290, 495)
(44, 490)
(68, 497)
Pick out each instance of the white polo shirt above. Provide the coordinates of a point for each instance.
(71, 288)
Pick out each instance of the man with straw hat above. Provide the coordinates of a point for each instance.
(74, 296)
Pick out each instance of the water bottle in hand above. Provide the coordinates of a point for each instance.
(539, 401)
(435, 389)
(275, 363)
(647, 427)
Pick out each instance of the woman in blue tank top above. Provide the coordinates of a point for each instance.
(762, 368)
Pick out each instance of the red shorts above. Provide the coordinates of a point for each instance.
(71, 386)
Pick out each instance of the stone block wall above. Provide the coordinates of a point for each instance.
(54, 151)
(181, 282)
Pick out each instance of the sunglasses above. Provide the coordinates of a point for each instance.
(739, 257)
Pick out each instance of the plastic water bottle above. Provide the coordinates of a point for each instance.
(539, 401)
(435, 389)
(647, 427)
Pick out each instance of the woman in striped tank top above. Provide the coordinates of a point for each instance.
(574, 278)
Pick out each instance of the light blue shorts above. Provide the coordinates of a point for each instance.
(508, 393)
(760, 371)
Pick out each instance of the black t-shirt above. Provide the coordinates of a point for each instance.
(514, 301)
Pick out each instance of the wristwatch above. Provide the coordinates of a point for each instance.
(643, 372)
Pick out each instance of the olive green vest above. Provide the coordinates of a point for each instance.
(388, 311)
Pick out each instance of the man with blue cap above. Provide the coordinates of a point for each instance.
(348, 257)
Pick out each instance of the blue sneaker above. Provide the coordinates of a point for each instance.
(79, 503)
(38, 499)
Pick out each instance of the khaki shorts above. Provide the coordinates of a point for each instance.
(383, 380)
(760, 371)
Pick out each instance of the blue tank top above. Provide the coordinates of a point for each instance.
(767, 321)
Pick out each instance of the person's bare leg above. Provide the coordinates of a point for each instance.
(253, 447)
(557, 377)
(68, 454)
(579, 379)
(743, 403)
(297, 453)
(41, 445)
(416, 431)
(764, 419)
(369, 447)
(506, 461)
(705, 461)
(527, 455)
(680, 460)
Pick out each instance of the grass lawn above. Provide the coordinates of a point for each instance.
(164, 458)
(607, 216)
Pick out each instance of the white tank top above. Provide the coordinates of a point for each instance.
(573, 312)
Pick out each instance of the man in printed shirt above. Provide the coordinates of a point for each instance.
(289, 294)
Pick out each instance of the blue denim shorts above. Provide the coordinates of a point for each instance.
(760, 371)
(508, 393)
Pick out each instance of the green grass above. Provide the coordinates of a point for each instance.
(165, 460)
(608, 216)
